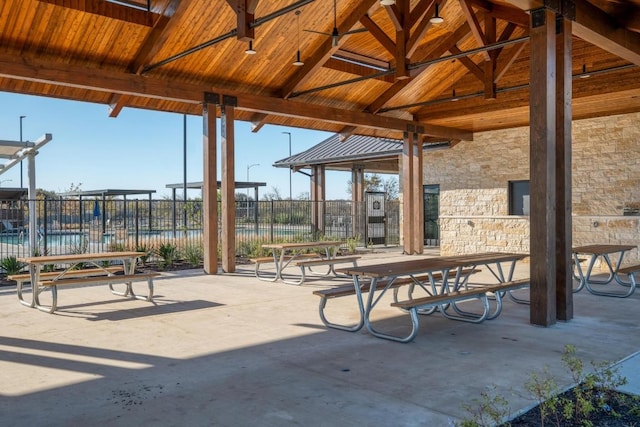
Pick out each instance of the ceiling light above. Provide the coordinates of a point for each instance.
(250, 50)
(298, 62)
(436, 19)
(585, 74)
(387, 2)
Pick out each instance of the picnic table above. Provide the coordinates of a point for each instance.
(74, 271)
(298, 255)
(615, 271)
(444, 282)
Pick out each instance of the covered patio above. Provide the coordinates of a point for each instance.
(381, 70)
(233, 350)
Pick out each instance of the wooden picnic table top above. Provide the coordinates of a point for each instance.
(602, 249)
(302, 245)
(424, 265)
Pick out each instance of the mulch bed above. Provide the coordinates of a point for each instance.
(621, 410)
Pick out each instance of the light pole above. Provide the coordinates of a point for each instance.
(21, 118)
(290, 195)
(249, 167)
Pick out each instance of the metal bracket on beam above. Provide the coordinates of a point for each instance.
(569, 10)
(564, 8)
(538, 17)
(212, 98)
(229, 100)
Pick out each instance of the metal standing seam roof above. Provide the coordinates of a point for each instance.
(333, 150)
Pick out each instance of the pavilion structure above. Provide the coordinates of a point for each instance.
(387, 69)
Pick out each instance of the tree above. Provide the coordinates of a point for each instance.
(274, 194)
(374, 182)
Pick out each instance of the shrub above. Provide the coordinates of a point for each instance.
(194, 254)
(11, 265)
(168, 252)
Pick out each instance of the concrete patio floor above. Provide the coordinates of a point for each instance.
(231, 350)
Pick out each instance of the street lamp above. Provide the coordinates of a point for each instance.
(290, 195)
(249, 167)
(21, 118)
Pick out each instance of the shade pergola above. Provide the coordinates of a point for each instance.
(388, 72)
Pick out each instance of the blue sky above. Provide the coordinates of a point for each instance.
(143, 149)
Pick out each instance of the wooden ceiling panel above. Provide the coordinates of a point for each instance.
(69, 36)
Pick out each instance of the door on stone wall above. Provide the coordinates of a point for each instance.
(431, 197)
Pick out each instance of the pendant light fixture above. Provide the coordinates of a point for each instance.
(250, 50)
(454, 98)
(387, 2)
(436, 19)
(584, 74)
(298, 62)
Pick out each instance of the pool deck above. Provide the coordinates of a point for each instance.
(231, 350)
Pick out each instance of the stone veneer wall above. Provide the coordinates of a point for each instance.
(474, 176)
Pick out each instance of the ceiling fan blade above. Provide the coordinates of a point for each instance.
(318, 32)
(357, 30)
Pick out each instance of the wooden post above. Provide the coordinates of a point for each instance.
(357, 199)
(316, 197)
(408, 189)
(210, 185)
(543, 167)
(417, 214)
(228, 189)
(564, 281)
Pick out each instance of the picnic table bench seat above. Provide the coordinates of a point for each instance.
(85, 272)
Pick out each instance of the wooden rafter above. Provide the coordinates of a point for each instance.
(258, 120)
(163, 27)
(422, 18)
(346, 132)
(377, 33)
(474, 24)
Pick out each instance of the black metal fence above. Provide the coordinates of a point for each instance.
(76, 226)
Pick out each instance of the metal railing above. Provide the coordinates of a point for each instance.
(77, 226)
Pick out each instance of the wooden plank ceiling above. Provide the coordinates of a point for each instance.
(389, 69)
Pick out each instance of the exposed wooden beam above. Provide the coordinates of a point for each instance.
(474, 24)
(290, 108)
(116, 104)
(346, 132)
(468, 63)
(387, 96)
(505, 60)
(423, 24)
(151, 45)
(395, 15)
(596, 27)
(18, 67)
(258, 120)
(377, 33)
(108, 10)
(324, 52)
